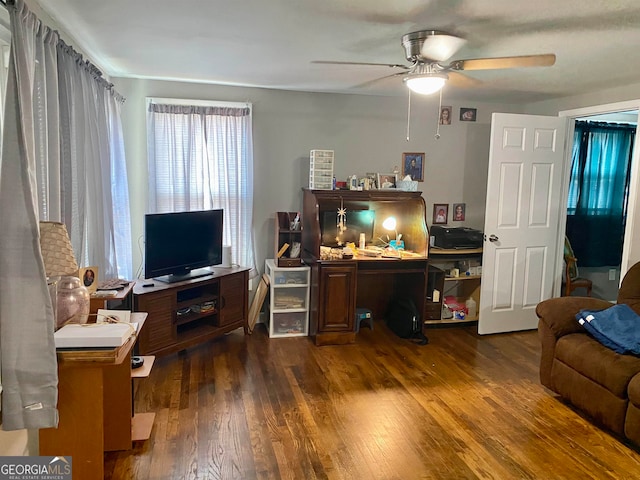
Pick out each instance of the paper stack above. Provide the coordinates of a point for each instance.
(96, 335)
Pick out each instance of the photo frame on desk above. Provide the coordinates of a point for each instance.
(386, 180)
(89, 278)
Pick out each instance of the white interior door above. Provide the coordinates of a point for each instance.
(524, 187)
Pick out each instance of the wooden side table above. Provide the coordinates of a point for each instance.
(94, 405)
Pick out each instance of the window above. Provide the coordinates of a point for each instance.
(200, 156)
(598, 191)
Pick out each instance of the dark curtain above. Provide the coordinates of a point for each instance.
(597, 204)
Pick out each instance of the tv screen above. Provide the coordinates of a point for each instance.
(179, 245)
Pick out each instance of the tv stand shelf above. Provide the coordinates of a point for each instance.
(174, 322)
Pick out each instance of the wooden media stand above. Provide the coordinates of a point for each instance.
(193, 311)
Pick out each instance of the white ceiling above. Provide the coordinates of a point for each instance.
(271, 43)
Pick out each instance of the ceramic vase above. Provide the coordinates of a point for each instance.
(72, 300)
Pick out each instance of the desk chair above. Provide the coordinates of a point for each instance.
(571, 279)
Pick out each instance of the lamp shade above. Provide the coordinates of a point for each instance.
(57, 252)
(426, 84)
(389, 223)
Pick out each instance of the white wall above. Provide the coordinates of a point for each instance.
(367, 133)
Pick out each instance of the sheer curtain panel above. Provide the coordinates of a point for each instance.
(28, 355)
(201, 157)
(93, 173)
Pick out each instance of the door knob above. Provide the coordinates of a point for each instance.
(493, 238)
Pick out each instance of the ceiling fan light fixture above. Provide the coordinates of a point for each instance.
(426, 84)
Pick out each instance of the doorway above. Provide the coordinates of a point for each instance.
(601, 158)
(606, 278)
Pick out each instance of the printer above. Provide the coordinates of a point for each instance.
(456, 237)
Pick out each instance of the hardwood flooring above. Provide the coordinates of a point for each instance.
(463, 407)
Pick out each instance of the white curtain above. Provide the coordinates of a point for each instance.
(201, 157)
(28, 356)
(94, 195)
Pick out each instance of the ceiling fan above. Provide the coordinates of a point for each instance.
(428, 49)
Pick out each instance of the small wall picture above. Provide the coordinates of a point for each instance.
(468, 114)
(412, 165)
(89, 278)
(445, 115)
(458, 211)
(440, 213)
(386, 180)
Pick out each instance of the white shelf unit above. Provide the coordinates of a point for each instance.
(288, 300)
(321, 169)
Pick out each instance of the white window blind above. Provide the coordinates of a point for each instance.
(200, 157)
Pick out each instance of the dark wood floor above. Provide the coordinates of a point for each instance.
(465, 406)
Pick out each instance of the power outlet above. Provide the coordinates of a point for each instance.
(612, 274)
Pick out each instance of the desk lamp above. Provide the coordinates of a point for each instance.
(390, 224)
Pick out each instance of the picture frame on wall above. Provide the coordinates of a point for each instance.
(440, 213)
(459, 212)
(386, 180)
(446, 115)
(413, 165)
(468, 114)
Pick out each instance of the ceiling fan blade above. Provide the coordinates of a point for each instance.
(391, 65)
(377, 80)
(543, 60)
(458, 79)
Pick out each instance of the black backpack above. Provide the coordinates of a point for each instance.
(403, 319)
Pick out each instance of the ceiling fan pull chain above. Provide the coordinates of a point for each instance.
(439, 112)
(409, 115)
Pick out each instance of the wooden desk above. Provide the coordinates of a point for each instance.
(339, 286)
(94, 405)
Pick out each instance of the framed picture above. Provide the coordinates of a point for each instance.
(412, 165)
(89, 278)
(468, 114)
(386, 180)
(373, 180)
(440, 213)
(445, 115)
(458, 211)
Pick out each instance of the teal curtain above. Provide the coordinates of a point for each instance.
(598, 190)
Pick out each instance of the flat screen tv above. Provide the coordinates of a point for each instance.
(179, 246)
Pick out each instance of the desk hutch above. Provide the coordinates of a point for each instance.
(340, 286)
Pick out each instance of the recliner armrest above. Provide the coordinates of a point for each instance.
(559, 314)
(558, 318)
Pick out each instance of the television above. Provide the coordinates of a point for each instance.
(180, 246)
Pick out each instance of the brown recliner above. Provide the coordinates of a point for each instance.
(595, 379)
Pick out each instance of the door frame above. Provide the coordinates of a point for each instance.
(632, 228)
